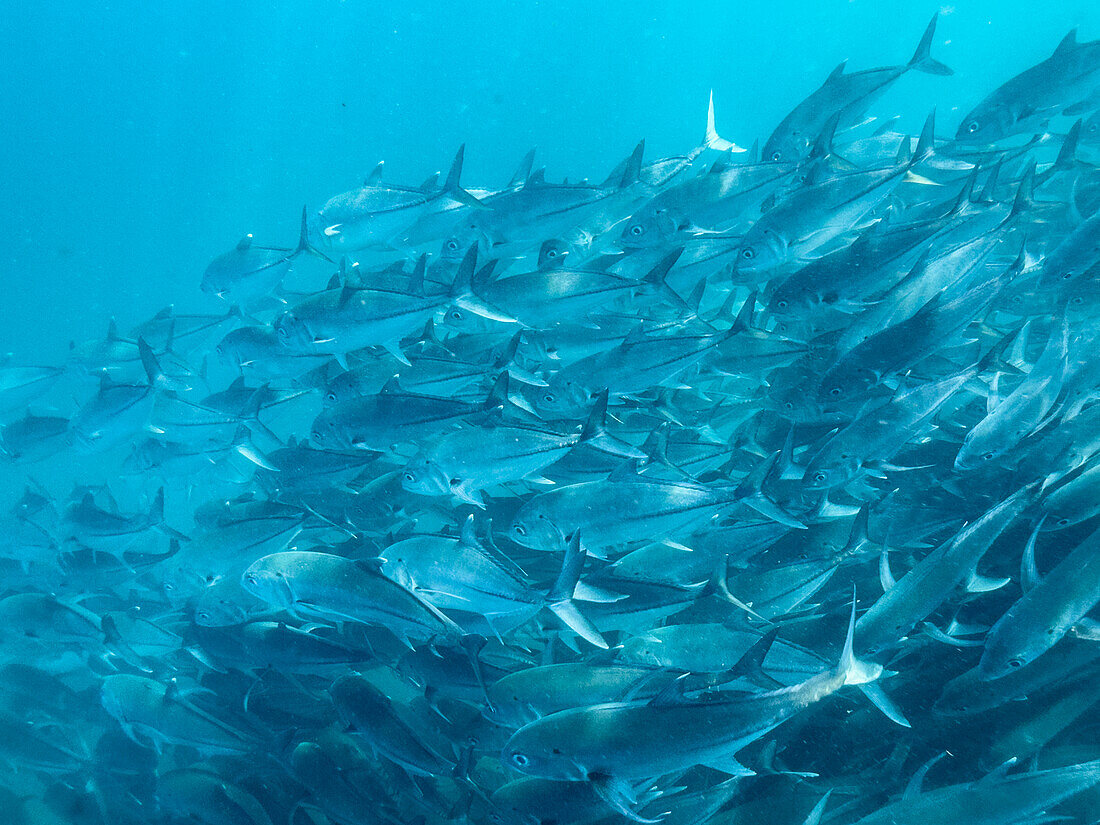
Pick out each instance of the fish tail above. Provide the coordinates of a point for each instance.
(304, 246)
(922, 59)
(452, 186)
(855, 671)
(711, 138)
(560, 597)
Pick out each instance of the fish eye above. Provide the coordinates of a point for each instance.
(1062, 522)
(1092, 127)
(748, 253)
(456, 315)
(987, 456)
(452, 245)
(1014, 663)
(548, 398)
(519, 529)
(331, 396)
(835, 392)
(1067, 276)
(409, 477)
(636, 230)
(520, 760)
(776, 156)
(551, 253)
(972, 126)
(781, 304)
(820, 477)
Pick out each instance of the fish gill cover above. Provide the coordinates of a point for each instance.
(747, 484)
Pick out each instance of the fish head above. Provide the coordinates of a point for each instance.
(267, 580)
(1007, 651)
(789, 147)
(122, 693)
(532, 527)
(460, 319)
(344, 386)
(181, 584)
(328, 431)
(646, 649)
(986, 124)
(293, 332)
(984, 444)
(792, 298)
(562, 399)
(762, 250)
(145, 456)
(244, 345)
(845, 385)
(1089, 135)
(648, 227)
(422, 475)
(219, 605)
(542, 749)
(453, 249)
(216, 279)
(820, 477)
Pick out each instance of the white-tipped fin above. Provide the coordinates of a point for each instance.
(712, 140)
(853, 670)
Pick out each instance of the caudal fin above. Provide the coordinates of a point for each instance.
(922, 59)
(560, 596)
(711, 138)
(303, 239)
(855, 671)
(452, 186)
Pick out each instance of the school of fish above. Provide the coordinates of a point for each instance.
(741, 486)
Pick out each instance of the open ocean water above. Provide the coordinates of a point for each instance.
(750, 473)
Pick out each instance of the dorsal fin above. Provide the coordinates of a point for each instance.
(112, 330)
(926, 144)
(837, 72)
(375, 176)
(627, 471)
(913, 789)
(454, 175)
(429, 182)
(416, 280)
(244, 243)
(1068, 43)
(1067, 154)
(523, 171)
(469, 534)
(754, 152)
(988, 193)
(346, 294)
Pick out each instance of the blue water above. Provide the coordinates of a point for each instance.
(141, 138)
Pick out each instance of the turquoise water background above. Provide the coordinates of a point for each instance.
(142, 139)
